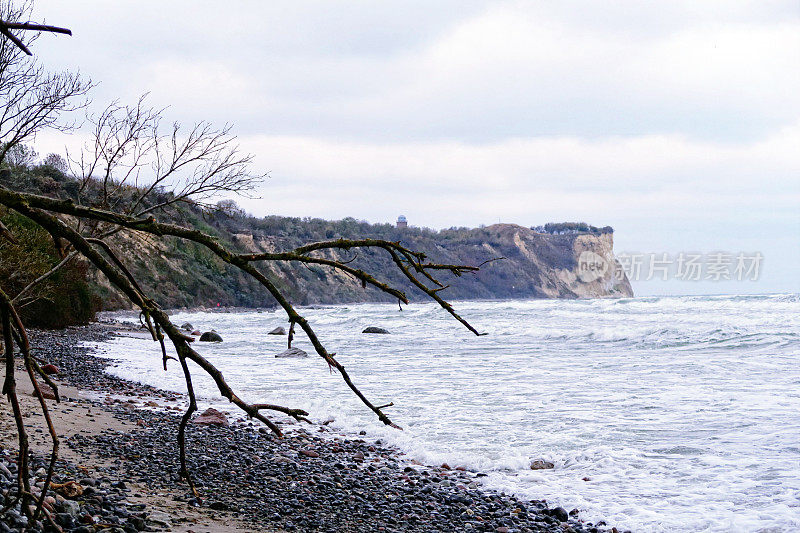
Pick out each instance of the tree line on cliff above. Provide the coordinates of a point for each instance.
(186, 275)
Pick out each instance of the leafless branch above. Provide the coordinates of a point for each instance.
(135, 162)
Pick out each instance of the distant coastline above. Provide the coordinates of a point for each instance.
(516, 263)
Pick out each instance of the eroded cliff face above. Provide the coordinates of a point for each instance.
(528, 265)
(593, 280)
(554, 266)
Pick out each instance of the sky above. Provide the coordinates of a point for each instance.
(677, 123)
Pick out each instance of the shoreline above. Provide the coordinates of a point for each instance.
(249, 479)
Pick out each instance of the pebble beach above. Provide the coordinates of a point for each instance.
(120, 448)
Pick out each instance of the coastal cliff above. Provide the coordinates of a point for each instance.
(550, 266)
(557, 260)
(517, 262)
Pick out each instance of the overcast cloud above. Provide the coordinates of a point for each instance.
(678, 123)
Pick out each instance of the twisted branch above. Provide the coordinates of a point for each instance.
(412, 264)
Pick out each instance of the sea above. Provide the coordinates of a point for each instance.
(658, 413)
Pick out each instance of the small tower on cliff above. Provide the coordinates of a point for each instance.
(402, 222)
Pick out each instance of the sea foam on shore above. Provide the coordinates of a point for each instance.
(302, 482)
(673, 414)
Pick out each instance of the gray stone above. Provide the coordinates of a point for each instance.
(187, 326)
(210, 336)
(541, 464)
(559, 513)
(160, 518)
(293, 352)
(69, 507)
(277, 331)
(65, 520)
(373, 329)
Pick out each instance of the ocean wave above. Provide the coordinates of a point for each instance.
(659, 414)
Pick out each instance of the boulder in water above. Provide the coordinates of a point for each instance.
(541, 464)
(373, 329)
(293, 352)
(210, 336)
(187, 326)
(277, 331)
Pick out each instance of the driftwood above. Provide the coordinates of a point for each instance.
(51, 214)
(127, 140)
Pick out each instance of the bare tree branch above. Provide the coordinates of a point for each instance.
(132, 170)
(136, 162)
(31, 99)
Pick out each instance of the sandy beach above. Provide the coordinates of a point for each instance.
(80, 414)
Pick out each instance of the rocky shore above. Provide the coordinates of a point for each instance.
(310, 480)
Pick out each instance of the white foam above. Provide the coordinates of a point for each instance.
(681, 412)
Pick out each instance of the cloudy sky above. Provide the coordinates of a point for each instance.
(675, 122)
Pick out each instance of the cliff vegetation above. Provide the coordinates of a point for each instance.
(517, 262)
